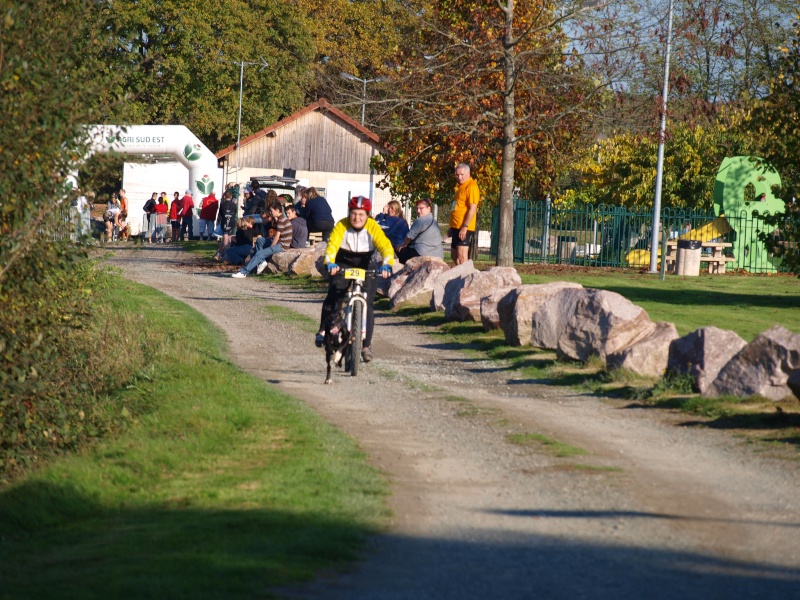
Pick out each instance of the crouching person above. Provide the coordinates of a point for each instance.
(246, 235)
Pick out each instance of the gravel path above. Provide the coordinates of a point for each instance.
(654, 509)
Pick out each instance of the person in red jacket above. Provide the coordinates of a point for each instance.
(161, 219)
(175, 216)
(187, 210)
(208, 215)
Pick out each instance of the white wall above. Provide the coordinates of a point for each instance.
(140, 180)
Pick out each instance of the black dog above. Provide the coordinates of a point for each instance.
(336, 338)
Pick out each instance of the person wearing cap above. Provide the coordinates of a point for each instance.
(352, 242)
(186, 212)
(257, 202)
(424, 237)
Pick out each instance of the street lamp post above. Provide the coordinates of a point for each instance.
(364, 82)
(241, 64)
(660, 161)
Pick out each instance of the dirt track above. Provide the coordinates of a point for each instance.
(685, 513)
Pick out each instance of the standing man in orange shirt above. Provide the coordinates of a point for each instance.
(464, 215)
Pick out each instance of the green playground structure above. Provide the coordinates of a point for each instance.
(743, 192)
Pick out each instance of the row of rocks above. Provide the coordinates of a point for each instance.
(578, 323)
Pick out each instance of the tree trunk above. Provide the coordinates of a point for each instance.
(505, 242)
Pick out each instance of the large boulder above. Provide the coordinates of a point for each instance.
(398, 279)
(463, 295)
(418, 286)
(761, 368)
(508, 275)
(282, 260)
(516, 309)
(306, 265)
(382, 286)
(490, 318)
(462, 270)
(319, 269)
(794, 382)
(647, 356)
(703, 353)
(550, 319)
(604, 323)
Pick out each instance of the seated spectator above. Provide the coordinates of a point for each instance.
(299, 227)
(393, 223)
(317, 213)
(424, 237)
(265, 247)
(242, 246)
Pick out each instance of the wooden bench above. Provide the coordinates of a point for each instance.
(716, 261)
(314, 239)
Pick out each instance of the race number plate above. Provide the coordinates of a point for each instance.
(355, 274)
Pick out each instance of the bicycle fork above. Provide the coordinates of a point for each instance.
(356, 296)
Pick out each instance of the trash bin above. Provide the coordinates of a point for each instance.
(687, 260)
(566, 247)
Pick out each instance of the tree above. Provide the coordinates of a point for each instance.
(187, 54)
(621, 170)
(506, 84)
(774, 124)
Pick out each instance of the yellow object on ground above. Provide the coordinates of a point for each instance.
(709, 232)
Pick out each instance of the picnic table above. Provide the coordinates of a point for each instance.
(716, 260)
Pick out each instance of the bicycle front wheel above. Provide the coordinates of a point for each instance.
(355, 342)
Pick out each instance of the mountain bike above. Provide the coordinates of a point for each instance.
(355, 317)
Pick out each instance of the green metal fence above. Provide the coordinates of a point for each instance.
(609, 236)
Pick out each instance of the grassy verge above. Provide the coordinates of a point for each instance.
(223, 488)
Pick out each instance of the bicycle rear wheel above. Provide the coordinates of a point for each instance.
(355, 341)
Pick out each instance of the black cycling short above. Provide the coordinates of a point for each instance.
(456, 241)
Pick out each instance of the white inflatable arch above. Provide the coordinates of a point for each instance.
(171, 140)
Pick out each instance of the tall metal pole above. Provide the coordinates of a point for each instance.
(239, 131)
(660, 163)
(364, 83)
(364, 102)
(263, 64)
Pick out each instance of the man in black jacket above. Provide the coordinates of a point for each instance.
(257, 203)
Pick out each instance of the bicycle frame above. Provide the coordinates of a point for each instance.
(356, 294)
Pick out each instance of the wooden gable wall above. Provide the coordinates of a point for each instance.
(315, 142)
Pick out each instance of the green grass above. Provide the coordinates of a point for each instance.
(224, 489)
(746, 304)
(546, 444)
(202, 249)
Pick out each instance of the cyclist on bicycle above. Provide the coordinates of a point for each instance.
(351, 245)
